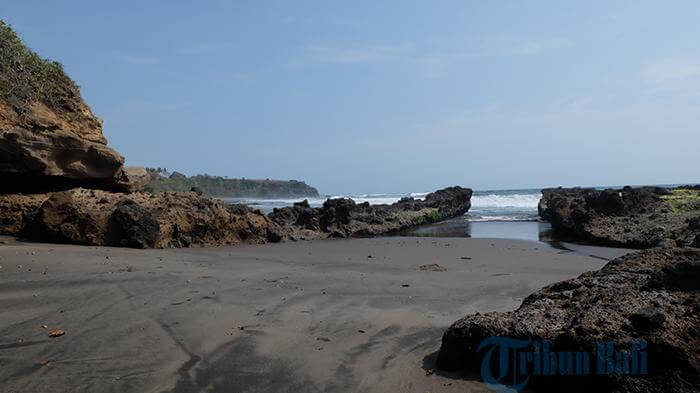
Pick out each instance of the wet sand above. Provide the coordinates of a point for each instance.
(324, 316)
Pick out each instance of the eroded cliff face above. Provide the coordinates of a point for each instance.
(31, 158)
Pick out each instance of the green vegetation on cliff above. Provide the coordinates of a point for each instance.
(25, 77)
(683, 200)
(219, 186)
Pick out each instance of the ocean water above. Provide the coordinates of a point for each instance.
(504, 205)
(487, 206)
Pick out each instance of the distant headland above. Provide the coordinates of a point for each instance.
(218, 186)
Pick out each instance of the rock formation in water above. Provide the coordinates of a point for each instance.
(343, 217)
(651, 295)
(630, 217)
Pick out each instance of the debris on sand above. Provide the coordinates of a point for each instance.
(56, 333)
(433, 267)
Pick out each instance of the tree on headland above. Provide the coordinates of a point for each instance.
(224, 187)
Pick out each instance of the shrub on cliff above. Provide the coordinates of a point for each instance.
(25, 77)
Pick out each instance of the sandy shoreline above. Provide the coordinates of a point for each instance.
(307, 316)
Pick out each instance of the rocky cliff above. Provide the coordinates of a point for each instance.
(630, 217)
(48, 136)
(651, 295)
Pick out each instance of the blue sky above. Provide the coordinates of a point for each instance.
(388, 96)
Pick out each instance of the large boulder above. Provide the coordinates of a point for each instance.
(132, 225)
(74, 216)
(652, 295)
(297, 222)
(49, 138)
(629, 217)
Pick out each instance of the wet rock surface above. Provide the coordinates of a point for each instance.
(630, 217)
(651, 295)
(344, 218)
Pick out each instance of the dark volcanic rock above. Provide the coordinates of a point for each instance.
(298, 222)
(648, 318)
(132, 225)
(304, 203)
(630, 217)
(342, 217)
(650, 295)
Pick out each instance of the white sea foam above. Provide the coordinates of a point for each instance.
(381, 199)
(510, 217)
(506, 200)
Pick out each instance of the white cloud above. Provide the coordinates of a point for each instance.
(135, 59)
(432, 59)
(202, 48)
(350, 55)
(440, 63)
(506, 46)
(672, 71)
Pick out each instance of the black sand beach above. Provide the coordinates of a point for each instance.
(331, 315)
